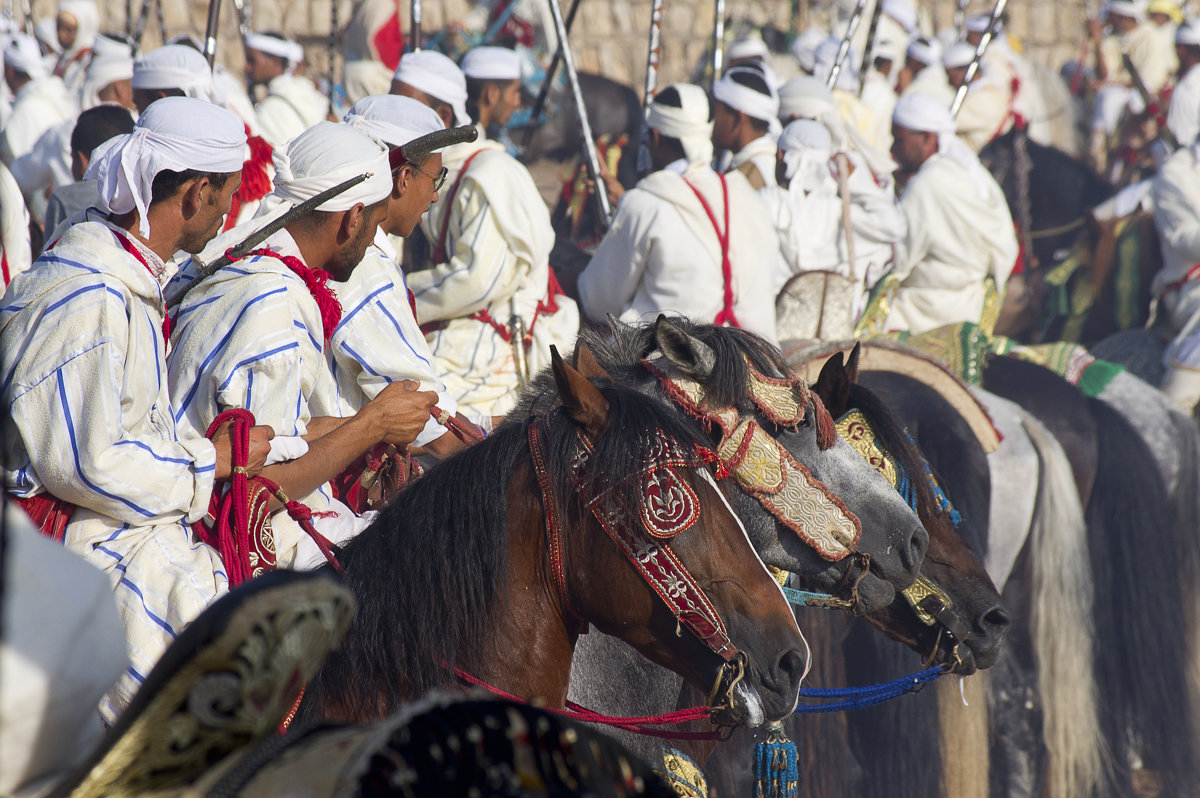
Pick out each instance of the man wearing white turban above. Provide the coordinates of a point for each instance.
(686, 239)
(378, 341)
(493, 85)
(808, 211)
(1183, 114)
(84, 376)
(293, 104)
(40, 99)
(746, 105)
(491, 238)
(78, 24)
(255, 334)
(923, 72)
(987, 109)
(960, 232)
(174, 70)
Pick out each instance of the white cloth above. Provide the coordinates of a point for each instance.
(177, 66)
(959, 55)
(23, 54)
(497, 252)
(1188, 32)
(285, 448)
(747, 48)
(292, 105)
(14, 229)
(757, 156)
(661, 254)
(1176, 193)
(957, 236)
(44, 168)
(73, 62)
(63, 647)
(291, 52)
(491, 63)
(85, 386)
(689, 123)
(807, 97)
(764, 107)
(986, 112)
(175, 133)
(1134, 9)
(879, 96)
(932, 81)
(378, 341)
(926, 51)
(326, 155)
(39, 105)
(439, 77)
(393, 119)
(103, 71)
(804, 47)
(923, 113)
(1183, 114)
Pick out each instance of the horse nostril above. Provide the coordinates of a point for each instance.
(996, 619)
(791, 666)
(914, 553)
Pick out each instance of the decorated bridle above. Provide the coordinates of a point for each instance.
(931, 605)
(764, 468)
(666, 506)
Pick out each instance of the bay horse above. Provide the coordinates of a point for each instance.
(494, 563)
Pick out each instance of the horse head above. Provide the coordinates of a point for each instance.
(652, 553)
(952, 613)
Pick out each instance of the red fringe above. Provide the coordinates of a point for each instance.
(256, 178)
(316, 282)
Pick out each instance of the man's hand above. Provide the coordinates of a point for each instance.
(400, 412)
(260, 446)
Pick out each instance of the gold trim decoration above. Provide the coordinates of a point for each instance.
(855, 430)
(920, 590)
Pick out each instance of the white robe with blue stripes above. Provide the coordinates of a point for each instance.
(85, 386)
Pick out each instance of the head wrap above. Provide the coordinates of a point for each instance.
(808, 98)
(885, 49)
(23, 54)
(826, 56)
(926, 114)
(176, 66)
(807, 148)
(926, 51)
(903, 12)
(492, 63)
(747, 47)
(175, 133)
(1133, 10)
(324, 156)
(1169, 7)
(978, 23)
(107, 45)
(103, 71)
(291, 52)
(46, 32)
(394, 120)
(439, 77)
(87, 18)
(958, 56)
(689, 123)
(1188, 33)
(805, 48)
(752, 103)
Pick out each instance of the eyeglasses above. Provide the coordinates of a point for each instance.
(439, 179)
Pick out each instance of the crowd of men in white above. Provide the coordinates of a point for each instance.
(109, 392)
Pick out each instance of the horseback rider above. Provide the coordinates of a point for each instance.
(686, 239)
(986, 110)
(960, 232)
(293, 104)
(744, 113)
(491, 238)
(85, 388)
(1183, 114)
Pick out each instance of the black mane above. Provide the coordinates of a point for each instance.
(428, 572)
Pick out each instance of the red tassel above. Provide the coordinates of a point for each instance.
(256, 178)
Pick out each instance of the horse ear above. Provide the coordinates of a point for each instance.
(852, 362)
(586, 363)
(694, 357)
(833, 386)
(582, 401)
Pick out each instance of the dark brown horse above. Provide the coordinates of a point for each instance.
(464, 570)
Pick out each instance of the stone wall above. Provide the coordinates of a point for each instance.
(610, 36)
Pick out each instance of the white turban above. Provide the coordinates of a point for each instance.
(46, 31)
(689, 123)
(747, 47)
(87, 18)
(808, 98)
(324, 156)
(885, 49)
(491, 63)
(978, 23)
(1135, 11)
(291, 52)
(175, 133)
(903, 12)
(958, 56)
(107, 46)
(926, 51)
(739, 97)
(807, 148)
(23, 54)
(176, 66)
(102, 71)
(392, 119)
(805, 48)
(926, 114)
(1188, 33)
(439, 77)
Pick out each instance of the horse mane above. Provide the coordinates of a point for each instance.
(428, 571)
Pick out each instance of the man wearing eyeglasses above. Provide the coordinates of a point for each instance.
(491, 239)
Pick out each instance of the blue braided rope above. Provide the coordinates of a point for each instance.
(805, 598)
(859, 697)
